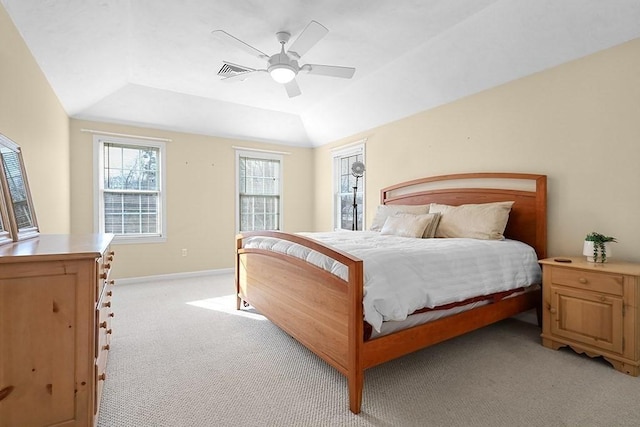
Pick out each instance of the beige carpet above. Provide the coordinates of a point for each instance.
(182, 356)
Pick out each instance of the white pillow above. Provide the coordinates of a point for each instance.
(385, 211)
(477, 221)
(406, 225)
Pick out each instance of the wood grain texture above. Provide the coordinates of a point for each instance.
(50, 311)
(325, 313)
(593, 309)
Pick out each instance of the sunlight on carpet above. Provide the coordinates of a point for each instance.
(226, 304)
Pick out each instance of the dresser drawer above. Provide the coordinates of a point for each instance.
(104, 268)
(588, 280)
(100, 378)
(104, 314)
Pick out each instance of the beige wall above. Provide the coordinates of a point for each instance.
(31, 115)
(566, 122)
(200, 199)
(577, 123)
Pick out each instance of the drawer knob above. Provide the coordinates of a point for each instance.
(112, 253)
(110, 258)
(110, 293)
(103, 276)
(102, 377)
(553, 310)
(109, 331)
(112, 282)
(103, 324)
(582, 280)
(107, 304)
(112, 315)
(107, 266)
(106, 347)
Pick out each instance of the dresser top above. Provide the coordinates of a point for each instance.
(581, 263)
(56, 246)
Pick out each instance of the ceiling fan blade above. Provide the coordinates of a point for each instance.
(329, 70)
(292, 88)
(311, 35)
(228, 38)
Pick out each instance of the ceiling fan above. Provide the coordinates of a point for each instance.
(283, 66)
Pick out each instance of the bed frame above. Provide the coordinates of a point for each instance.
(325, 313)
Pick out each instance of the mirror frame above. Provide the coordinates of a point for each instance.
(8, 213)
(6, 235)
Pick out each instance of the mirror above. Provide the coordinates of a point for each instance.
(18, 216)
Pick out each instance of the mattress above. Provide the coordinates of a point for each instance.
(403, 275)
(421, 318)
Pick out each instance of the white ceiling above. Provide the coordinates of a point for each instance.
(154, 63)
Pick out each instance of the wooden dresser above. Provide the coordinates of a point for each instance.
(593, 308)
(55, 326)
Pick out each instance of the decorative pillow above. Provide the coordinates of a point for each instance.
(385, 211)
(406, 225)
(432, 225)
(477, 221)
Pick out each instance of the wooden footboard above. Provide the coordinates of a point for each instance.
(317, 308)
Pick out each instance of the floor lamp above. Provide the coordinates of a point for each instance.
(357, 170)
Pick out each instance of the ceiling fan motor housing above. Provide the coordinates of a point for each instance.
(283, 60)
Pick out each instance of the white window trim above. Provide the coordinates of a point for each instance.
(352, 149)
(258, 154)
(98, 180)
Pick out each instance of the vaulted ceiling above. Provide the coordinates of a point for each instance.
(154, 63)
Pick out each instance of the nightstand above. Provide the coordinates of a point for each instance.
(593, 308)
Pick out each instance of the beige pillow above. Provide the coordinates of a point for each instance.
(385, 211)
(406, 225)
(477, 221)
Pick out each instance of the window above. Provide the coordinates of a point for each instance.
(130, 189)
(259, 201)
(343, 184)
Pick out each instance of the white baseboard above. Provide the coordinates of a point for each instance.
(172, 276)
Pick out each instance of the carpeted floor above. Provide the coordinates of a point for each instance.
(183, 356)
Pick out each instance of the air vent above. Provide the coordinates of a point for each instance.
(229, 70)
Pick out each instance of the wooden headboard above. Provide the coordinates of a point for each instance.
(528, 217)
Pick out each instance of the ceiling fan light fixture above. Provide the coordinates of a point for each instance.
(283, 66)
(282, 73)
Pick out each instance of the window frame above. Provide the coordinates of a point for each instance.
(263, 155)
(99, 214)
(354, 149)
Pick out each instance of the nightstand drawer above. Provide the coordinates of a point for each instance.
(588, 280)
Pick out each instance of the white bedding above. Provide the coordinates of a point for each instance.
(402, 275)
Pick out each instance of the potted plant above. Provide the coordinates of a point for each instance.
(596, 247)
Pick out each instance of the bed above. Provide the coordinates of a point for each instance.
(324, 311)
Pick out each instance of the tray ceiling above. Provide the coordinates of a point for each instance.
(155, 64)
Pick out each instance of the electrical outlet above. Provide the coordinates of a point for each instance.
(184, 252)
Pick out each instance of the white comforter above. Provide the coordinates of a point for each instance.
(402, 274)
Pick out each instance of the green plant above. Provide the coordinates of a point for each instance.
(598, 244)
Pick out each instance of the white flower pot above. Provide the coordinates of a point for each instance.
(587, 250)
